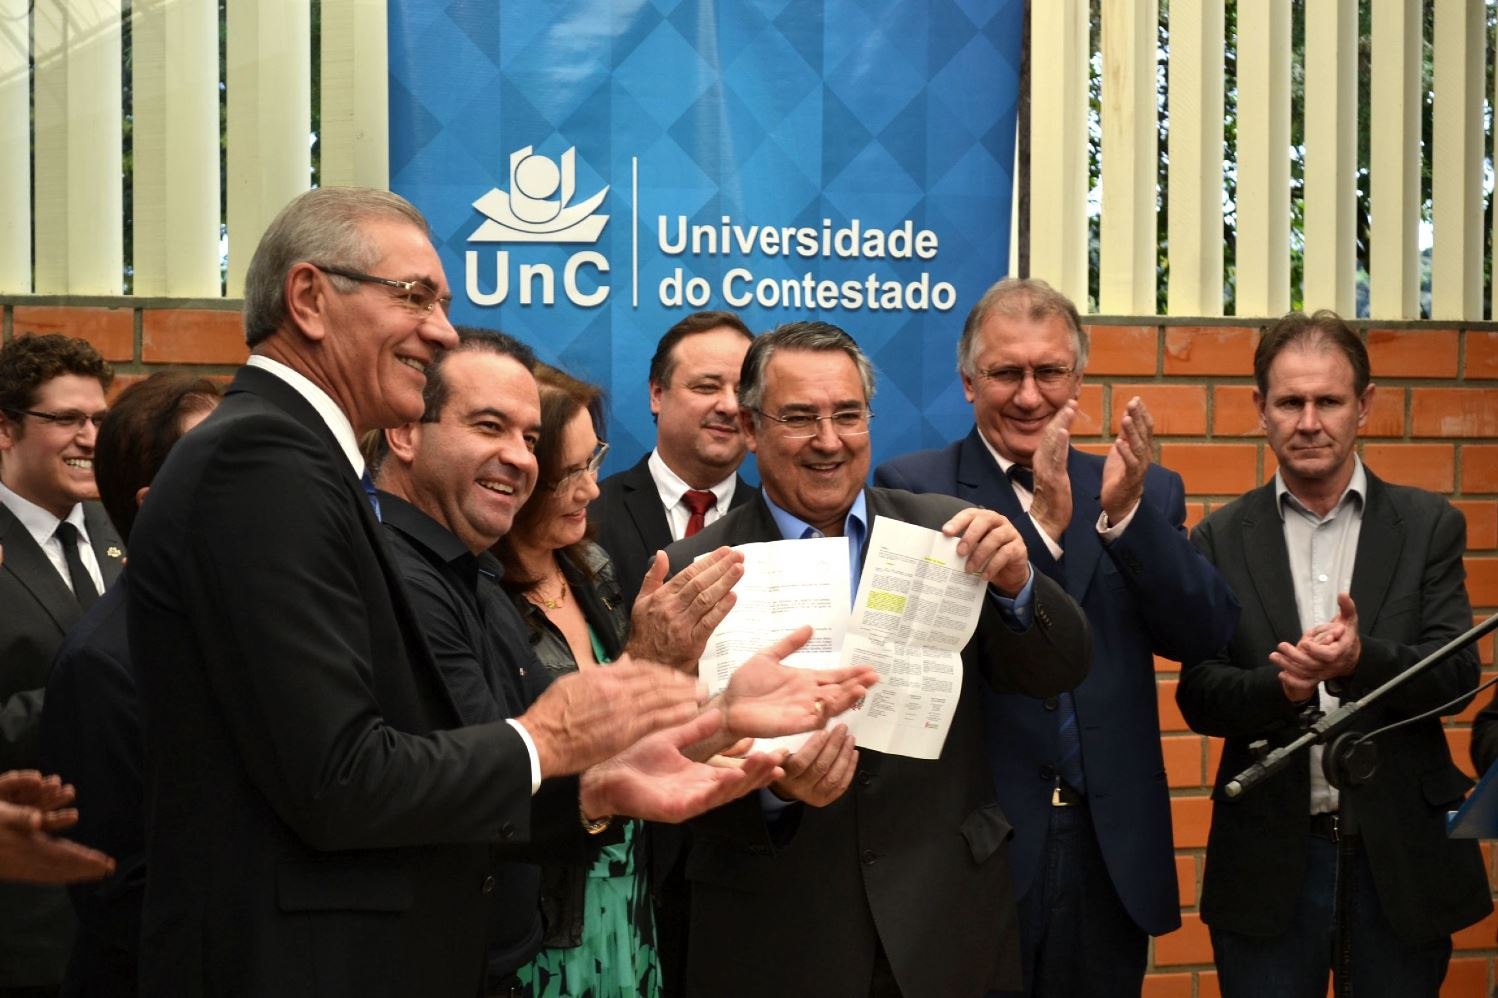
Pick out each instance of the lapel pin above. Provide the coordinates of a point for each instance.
(113, 551)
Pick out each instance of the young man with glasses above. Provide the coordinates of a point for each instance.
(59, 555)
(867, 874)
(1080, 775)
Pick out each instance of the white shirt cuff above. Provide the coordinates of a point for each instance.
(530, 750)
(1112, 533)
(1050, 545)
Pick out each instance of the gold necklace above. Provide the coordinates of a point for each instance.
(553, 604)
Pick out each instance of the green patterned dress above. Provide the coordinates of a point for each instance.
(616, 957)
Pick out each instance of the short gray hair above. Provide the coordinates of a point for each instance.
(820, 336)
(1019, 298)
(324, 225)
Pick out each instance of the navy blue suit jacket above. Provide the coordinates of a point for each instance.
(91, 733)
(1148, 593)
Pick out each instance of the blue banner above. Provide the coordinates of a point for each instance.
(594, 170)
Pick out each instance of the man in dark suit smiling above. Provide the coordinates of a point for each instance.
(60, 553)
(317, 822)
(872, 874)
(691, 477)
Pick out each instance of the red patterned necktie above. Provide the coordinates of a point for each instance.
(698, 502)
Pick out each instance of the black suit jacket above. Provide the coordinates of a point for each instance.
(1407, 582)
(91, 732)
(631, 523)
(311, 828)
(1148, 592)
(36, 610)
(39, 610)
(912, 857)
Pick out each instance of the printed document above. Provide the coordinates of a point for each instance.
(916, 609)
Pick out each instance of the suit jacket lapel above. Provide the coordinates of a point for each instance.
(280, 394)
(30, 565)
(1380, 540)
(981, 482)
(742, 493)
(1080, 545)
(1268, 561)
(644, 505)
(108, 550)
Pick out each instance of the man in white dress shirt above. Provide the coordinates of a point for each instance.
(691, 477)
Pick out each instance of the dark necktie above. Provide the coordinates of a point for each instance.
(1069, 738)
(1022, 476)
(369, 490)
(697, 502)
(83, 583)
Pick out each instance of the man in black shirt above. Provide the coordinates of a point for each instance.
(451, 486)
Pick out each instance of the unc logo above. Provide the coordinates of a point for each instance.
(538, 207)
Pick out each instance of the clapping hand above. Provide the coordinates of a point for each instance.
(672, 621)
(654, 780)
(1128, 459)
(33, 808)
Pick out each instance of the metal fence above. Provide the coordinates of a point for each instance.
(1106, 80)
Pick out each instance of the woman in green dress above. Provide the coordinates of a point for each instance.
(599, 927)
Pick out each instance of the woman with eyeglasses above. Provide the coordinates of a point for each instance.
(600, 935)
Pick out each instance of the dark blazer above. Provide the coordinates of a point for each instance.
(912, 857)
(36, 610)
(1407, 583)
(631, 523)
(39, 610)
(91, 732)
(1147, 593)
(311, 828)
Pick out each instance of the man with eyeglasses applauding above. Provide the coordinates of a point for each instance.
(1080, 774)
(60, 554)
(867, 873)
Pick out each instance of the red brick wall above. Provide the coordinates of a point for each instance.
(1434, 424)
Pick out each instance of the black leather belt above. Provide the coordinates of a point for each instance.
(1064, 796)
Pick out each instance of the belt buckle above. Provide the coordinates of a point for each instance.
(1057, 800)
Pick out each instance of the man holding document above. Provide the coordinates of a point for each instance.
(900, 886)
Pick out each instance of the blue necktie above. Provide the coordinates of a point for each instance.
(1069, 740)
(369, 490)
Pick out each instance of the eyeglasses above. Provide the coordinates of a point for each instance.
(69, 419)
(800, 425)
(417, 295)
(571, 478)
(1046, 376)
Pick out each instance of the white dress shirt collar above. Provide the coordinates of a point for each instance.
(670, 487)
(41, 524)
(334, 417)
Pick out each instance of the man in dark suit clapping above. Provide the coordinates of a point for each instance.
(1346, 581)
(317, 822)
(1080, 775)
